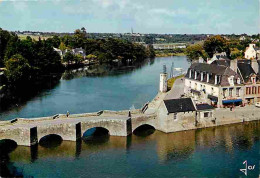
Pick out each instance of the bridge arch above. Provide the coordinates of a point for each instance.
(96, 135)
(96, 131)
(7, 146)
(67, 131)
(144, 120)
(144, 130)
(50, 140)
(114, 127)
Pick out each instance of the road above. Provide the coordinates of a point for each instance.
(177, 89)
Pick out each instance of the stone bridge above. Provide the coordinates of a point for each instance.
(28, 132)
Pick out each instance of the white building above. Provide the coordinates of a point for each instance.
(218, 56)
(252, 52)
(58, 51)
(215, 84)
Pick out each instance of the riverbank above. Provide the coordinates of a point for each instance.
(171, 81)
(169, 54)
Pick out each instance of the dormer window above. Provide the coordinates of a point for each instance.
(207, 77)
(238, 81)
(253, 79)
(201, 76)
(231, 80)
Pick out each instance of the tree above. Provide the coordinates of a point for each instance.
(62, 46)
(4, 38)
(151, 52)
(17, 71)
(216, 44)
(69, 57)
(195, 51)
(78, 58)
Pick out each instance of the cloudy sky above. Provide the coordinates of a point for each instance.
(144, 16)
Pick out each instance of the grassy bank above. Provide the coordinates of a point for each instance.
(169, 54)
(171, 81)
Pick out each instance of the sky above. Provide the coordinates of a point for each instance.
(144, 16)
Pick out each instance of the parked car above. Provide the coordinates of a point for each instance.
(257, 104)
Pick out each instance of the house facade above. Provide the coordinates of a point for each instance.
(252, 52)
(224, 82)
(249, 72)
(215, 84)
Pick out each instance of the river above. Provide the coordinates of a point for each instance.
(212, 152)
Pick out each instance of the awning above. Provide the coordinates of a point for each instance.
(195, 91)
(231, 101)
(213, 98)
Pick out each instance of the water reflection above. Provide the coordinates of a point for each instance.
(104, 70)
(169, 147)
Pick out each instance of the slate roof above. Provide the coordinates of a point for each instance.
(222, 62)
(179, 105)
(201, 107)
(245, 70)
(213, 69)
(222, 57)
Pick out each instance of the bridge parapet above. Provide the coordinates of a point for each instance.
(29, 131)
(25, 136)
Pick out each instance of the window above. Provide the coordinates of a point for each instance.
(206, 114)
(175, 116)
(253, 90)
(259, 90)
(248, 90)
(224, 92)
(238, 81)
(253, 79)
(230, 91)
(238, 91)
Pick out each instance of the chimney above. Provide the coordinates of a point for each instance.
(201, 76)
(233, 65)
(190, 74)
(254, 65)
(201, 60)
(195, 77)
(216, 79)
(163, 80)
(208, 77)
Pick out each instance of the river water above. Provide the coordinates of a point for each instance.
(113, 90)
(212, 152)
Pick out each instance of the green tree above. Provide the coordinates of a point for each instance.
(4, 39)
(195, 51)
(17, 71)
(69, 57)
(78, 58)
(216, 44)
(62, 46)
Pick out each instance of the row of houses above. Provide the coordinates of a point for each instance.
(222, 82)
(169, 46)
(76, 51)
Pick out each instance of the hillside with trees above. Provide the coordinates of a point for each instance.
(31, 64)
(234, 48)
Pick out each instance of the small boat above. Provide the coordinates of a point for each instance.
(178, 69)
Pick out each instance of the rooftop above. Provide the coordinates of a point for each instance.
(179, 105)
(204, 107)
